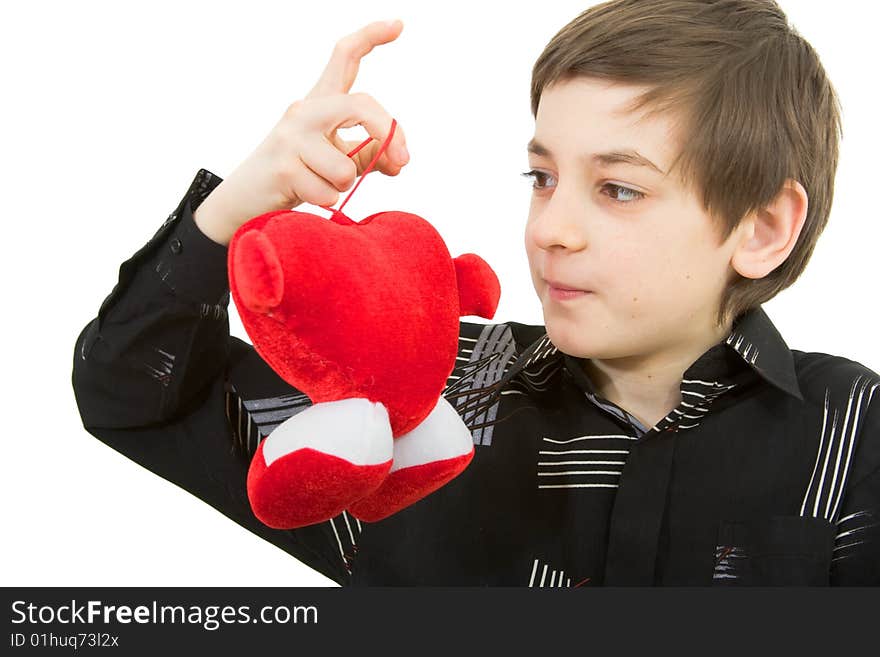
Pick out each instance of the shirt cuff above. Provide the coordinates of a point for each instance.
(191, 264)
(155, 256)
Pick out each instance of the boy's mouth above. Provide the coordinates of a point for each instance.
(563, 287)
(563, 291)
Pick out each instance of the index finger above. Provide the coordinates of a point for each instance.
(342, 68)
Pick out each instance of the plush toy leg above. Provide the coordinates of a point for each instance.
(311, 467)
(424, 459)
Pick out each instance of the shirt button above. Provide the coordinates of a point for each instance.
(176, 246)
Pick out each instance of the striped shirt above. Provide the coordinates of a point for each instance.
(766, 473)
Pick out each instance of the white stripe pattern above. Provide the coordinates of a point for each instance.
(346, 539)
(481, 363)
(542, 350)
(854, 533)
(216, 311)
(726, 561)
(835, 451)
(556, 580)
(748, 351)
(705, 393)
(552, 473)
(250, 420)
(166, 363)
(596, 437)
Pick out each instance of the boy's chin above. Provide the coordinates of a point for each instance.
(584, 339)
(573, 338)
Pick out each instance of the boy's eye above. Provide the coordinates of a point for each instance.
(539, 177)
(617, 193)
(625, 195)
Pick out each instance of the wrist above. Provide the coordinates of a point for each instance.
(213, 220)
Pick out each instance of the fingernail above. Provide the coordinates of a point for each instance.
(391, 23)
(404, 154)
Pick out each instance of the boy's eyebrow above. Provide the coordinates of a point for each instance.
(624, 155)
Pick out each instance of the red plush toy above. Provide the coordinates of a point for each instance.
(363, 317)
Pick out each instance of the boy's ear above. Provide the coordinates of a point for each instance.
(770, 233)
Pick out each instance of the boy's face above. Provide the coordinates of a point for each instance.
(637, 239)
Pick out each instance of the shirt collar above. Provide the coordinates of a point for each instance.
(753, 341)
(755, 338)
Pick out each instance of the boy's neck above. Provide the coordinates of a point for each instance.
(649, 386)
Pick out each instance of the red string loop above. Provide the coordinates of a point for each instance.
(369, 166)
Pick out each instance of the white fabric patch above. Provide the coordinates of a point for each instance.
(441, 435)
(355, 429)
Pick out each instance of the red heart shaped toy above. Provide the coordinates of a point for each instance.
(363, 317)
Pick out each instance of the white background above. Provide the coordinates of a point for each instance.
(109, 110)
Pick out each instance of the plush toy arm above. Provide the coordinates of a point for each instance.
(478, 288)
(259, 276)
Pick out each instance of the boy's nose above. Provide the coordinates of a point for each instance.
(559, 225)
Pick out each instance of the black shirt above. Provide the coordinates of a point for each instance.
(768, 471)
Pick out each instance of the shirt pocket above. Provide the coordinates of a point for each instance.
(774, 551)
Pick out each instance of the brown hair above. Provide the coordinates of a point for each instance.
(753, 103)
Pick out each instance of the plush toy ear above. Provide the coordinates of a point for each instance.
(478, 288)
(258, 274)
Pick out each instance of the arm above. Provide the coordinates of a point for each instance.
(149, 376)
(162, 334)
(149, 371)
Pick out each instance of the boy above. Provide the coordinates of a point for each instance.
(657, 429)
